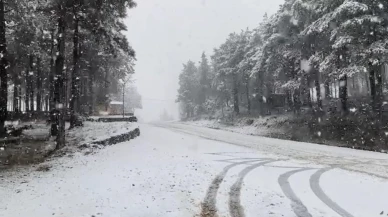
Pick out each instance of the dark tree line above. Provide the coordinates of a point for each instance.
(61, 56)
(310, 53)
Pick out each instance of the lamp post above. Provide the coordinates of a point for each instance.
(124, 82)
(123, 99)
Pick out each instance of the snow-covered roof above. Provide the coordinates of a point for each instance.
(116, 103)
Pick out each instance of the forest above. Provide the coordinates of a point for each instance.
(61, 57)
(322, 60)
(310, 53)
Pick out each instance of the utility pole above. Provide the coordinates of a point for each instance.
(123, 100)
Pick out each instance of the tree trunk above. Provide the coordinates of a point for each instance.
(318, 90)
(15, 98)
(260, 93)
(327, 90)
(379, 90)
(27, 89)
(290, 102)
(309, 101)
(20, 99)
(3, 72)
(106, 90)
(308, 92)
(343, 92)
(31, 81)
(372, 81)
(91, 92)
(52, 72)
(297, 101)
(66, 86)
(248, 98)
(38, 85)
(58, 122)
(16, 94)
(235, 95)
(47, 103)
(74, 99)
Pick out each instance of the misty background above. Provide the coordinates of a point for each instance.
(167, 34)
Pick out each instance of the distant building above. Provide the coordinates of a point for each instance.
(115, 108)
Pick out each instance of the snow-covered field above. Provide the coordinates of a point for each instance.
(173, 170)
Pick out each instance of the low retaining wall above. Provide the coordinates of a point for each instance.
(23, 151)
(114, 119)
(120, 138)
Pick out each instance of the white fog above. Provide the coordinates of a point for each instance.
(193, 108)
(167, 34)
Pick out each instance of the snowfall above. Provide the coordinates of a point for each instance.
(179, 170)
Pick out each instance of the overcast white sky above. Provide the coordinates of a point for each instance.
(168, 33)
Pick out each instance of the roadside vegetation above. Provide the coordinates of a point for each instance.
(60, 59)
(323, 61)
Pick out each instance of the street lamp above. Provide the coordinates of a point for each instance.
(124, 82)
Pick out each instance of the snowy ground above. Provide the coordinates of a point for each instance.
(175, 170)
(95, 131)
(263, 126)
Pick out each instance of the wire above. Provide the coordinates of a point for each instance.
(162, 100)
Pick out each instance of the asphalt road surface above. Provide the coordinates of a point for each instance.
(180, 170)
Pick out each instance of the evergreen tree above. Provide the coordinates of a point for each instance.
(204, 82)
(3, 70)
(188, 90)
(55, 52)
(306, 44)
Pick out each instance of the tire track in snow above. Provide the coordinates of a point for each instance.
(209, 208)
(235, 207)
(299, 208)
(316, 188)
(234, 161)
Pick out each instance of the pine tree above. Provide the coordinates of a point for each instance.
(3, 71)
(188, 90)
(307, 44)
(204, 83)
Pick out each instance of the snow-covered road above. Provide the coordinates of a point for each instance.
(179, 170)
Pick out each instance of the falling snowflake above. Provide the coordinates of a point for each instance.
(294, 21)
(353, 110)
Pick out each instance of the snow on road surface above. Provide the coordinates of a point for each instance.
(168, 172)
